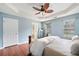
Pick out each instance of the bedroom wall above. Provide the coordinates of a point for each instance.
(24, 27)
(77, 25)
(1, 30)
(57, 25)
(5, 15)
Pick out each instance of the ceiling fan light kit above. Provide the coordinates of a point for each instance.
(43, 9)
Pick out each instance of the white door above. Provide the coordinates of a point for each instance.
(10, 32)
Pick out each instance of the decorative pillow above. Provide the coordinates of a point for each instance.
(49, 39)
(75, 37)
(75, 49)
(75, 45)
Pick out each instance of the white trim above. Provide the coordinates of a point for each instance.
(22, 42)
(17, 44)
(1, 47)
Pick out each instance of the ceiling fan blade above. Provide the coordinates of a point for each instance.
(49, 11)
(36, 8)
(37, 13)
(46, 5)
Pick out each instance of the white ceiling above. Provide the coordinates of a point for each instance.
(26, 10)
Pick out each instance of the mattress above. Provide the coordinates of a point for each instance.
(62, 46)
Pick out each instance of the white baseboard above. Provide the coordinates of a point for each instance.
(1, 47)
(17, 44)
(22, 43)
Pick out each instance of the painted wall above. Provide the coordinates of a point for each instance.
(24, 27)
(57, 25)
(4, 15)
(1, 30)
(77, 26)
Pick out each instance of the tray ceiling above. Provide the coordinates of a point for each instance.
(26, 10)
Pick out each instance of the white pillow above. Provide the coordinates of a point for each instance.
(45, 40)
(75, 37)
(49, 39)
(52, 38)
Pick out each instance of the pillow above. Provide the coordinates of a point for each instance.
(49, 39)
(75, 45)
(45, 40)
(75, 37)
(75, 49)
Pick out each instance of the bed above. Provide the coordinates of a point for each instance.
(51, 46)
(61, 47)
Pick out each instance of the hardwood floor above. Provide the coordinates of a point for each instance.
(16, 50)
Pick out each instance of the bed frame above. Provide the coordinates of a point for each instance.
(29, 37)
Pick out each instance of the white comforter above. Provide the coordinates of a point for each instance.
(38, 46)
(61, 45)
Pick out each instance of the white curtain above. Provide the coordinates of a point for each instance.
(34, 31)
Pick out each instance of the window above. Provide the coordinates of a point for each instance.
(69, 28)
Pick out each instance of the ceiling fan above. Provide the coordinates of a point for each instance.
(44, 8)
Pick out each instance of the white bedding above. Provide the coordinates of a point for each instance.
(53, 42)
(38, 46)
(61, 45)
